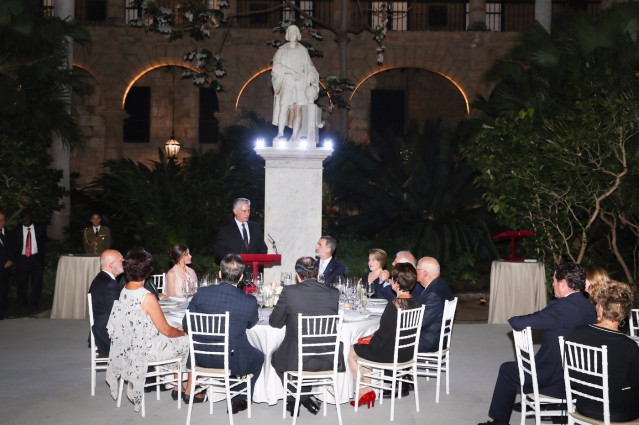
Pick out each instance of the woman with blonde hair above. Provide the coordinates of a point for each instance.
(596, 276)
(376, 264)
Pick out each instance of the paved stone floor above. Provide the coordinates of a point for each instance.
(45, 377)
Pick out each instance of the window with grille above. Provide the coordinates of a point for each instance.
(397, 17)
(493, 16)
(289, 14)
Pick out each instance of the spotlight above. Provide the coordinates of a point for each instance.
(328, 143)
(259, 143)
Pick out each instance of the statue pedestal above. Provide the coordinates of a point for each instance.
(292, 203)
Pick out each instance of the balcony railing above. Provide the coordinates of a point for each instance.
(422, 15)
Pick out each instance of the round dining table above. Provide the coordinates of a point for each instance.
(269, 388)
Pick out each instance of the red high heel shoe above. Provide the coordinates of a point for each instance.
(367, 399)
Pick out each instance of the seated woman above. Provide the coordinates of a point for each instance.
(139, 331)
(382, 344)
(614, 302)
(180, 273)
(375, 278)
(596, 276)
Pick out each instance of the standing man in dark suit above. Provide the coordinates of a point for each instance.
(239, 235)
(308, 297)
(215, 299)
(436, 292)
(5, 264)
(104, 290)
(28, 243)
(328, 266)
(567, 311)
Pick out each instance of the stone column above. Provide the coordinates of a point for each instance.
(543, 13)
(293, 203)
(477, 15)
(62, 9)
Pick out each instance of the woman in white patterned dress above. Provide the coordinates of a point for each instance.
(139, 331)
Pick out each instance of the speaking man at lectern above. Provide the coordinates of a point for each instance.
(239, 235)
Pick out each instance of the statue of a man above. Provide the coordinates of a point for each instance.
(295, 83)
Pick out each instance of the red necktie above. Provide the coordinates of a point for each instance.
(27, 249)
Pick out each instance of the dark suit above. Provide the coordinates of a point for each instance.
(242, 308)
(559, 318)
(310, 298)
(229, 240)
(28, 268)
(104, 290)
(4, 273)
(388, 293)
(433, 297)
(332, 271)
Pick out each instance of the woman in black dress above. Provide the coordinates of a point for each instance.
(382, 344)
(614, 301)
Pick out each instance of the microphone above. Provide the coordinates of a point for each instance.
(272, 241)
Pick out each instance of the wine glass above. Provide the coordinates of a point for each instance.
(259, 296)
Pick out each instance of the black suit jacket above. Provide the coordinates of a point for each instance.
(242, 308)
(560, 317)
(4, 257)
(229, 240)
(333, 270)
(310, 298)
(104, 290)
(16, 241)
(433, 297)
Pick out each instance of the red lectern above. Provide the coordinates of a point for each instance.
(513, 235)
(260, 260)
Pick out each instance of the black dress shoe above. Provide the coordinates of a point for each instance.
(238, 406)
(312, 404)
(290, 408)
(198, 398)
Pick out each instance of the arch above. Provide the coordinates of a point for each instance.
(388, 68)
(149, 69)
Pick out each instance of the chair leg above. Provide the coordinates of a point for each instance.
(437, 381)
(192, 390)
(415, 389)
(248, 395)
(336, 392)
(120, 391)
(93, 379)
(298, 394)
(446, 369)
(285, 380)
(357, 384)
(229, 407)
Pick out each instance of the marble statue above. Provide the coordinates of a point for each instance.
(296, 85)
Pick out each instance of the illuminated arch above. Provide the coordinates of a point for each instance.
(149, 69)
(405, 67)
(257, 74)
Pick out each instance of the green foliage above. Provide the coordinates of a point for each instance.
(35, 80)
(168, 202)
(409, 193)
(556, 151)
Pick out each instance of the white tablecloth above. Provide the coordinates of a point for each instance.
(72, 280)
(269, 388)
(516, 288)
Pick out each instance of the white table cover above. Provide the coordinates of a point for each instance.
(516, 288)
(73, 278)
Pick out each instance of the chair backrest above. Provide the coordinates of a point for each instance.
(90, 306)
(159, 281)
(525, 354)
(208, 336)
(634, 322)
(450, 307)
(318, 336)
(409, 327)
(585, 374)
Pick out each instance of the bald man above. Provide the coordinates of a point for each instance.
(104, 290)
(436, 292)
(386, 291)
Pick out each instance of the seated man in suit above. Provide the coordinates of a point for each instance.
(386, 291)
(308, 297)
(436, 292)
(239, 235)
(328, 266)
(215, 299)
(568, 310)
(104, 290)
